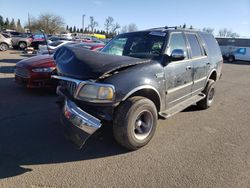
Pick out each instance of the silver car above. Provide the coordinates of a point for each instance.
(21, 41)
(5, 42)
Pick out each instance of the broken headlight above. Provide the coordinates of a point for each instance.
(96, 93)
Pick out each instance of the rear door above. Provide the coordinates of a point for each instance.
(200, 62)
(178, 74)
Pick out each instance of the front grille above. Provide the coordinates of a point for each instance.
(69, 86)
(22, 72)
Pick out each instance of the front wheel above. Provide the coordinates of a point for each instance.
(135, 122)
(3, 47)
(231, 58)
(22, 45)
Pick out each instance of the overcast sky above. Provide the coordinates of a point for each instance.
(217, 14)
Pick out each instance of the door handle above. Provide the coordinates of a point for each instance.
(188, 68)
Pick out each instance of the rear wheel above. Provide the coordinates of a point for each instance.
(4, 47)
(231, 58)
(209, 91)
(22, 45)
(135, 122)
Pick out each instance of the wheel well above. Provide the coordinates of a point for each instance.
(4, 43)
(213, 76)
(150, 94)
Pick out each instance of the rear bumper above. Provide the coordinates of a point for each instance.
(79, 124)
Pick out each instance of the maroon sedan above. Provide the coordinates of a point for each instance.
(35, 72)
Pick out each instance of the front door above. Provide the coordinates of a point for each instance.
(178, 74)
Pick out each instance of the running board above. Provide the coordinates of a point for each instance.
(181, 106)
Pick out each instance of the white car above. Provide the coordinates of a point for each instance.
(44, 49)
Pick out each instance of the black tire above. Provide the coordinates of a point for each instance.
(209, 91)
(231, 58)
(22, 45)
(135, 122)
(4, 46)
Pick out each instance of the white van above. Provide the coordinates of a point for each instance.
(235, 48)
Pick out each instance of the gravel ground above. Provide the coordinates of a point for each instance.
(208, 148)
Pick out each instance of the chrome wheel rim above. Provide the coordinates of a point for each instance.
(3, 47)
(22, 45)
(143, 125)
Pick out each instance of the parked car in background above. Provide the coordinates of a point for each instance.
(51, 47)
(5, 42)
(136, 78)
(22, 41)
(55, 38)
(35, 72)
(235, 48)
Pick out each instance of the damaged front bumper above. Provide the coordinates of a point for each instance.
(79, 124)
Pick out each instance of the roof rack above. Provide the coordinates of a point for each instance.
(172, 27)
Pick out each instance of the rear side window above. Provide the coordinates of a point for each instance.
(211, 44)
(195, 46)
(177, 41)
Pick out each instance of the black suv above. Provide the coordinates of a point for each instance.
(137, 78)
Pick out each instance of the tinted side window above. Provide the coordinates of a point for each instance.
(194, 45)
(211, 44)
(177, 41)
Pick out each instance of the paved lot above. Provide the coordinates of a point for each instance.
(195, 148)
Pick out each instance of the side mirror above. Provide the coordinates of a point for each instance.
(177, 55)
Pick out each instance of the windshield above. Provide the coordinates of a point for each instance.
(141, 45)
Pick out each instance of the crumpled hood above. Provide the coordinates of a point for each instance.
(85, 64)
(37, 61)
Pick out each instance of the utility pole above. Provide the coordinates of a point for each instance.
(83, 22)
(29, 21)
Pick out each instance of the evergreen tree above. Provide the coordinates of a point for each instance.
(74, 29)
(86, 30)
(1, 21)
(81, 31)
(12, 24)
(78, 31)
(7, 23)
(19, 27)
(67, 27)
(70, 29)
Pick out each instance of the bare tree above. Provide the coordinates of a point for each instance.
(115, 27)
(50, 23)
(92, 23)
(132, 27)
(108, 24)
(124, 29)
(129, 28)
(208, 30)
(227, 33)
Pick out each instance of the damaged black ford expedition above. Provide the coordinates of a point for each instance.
(137, 78)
